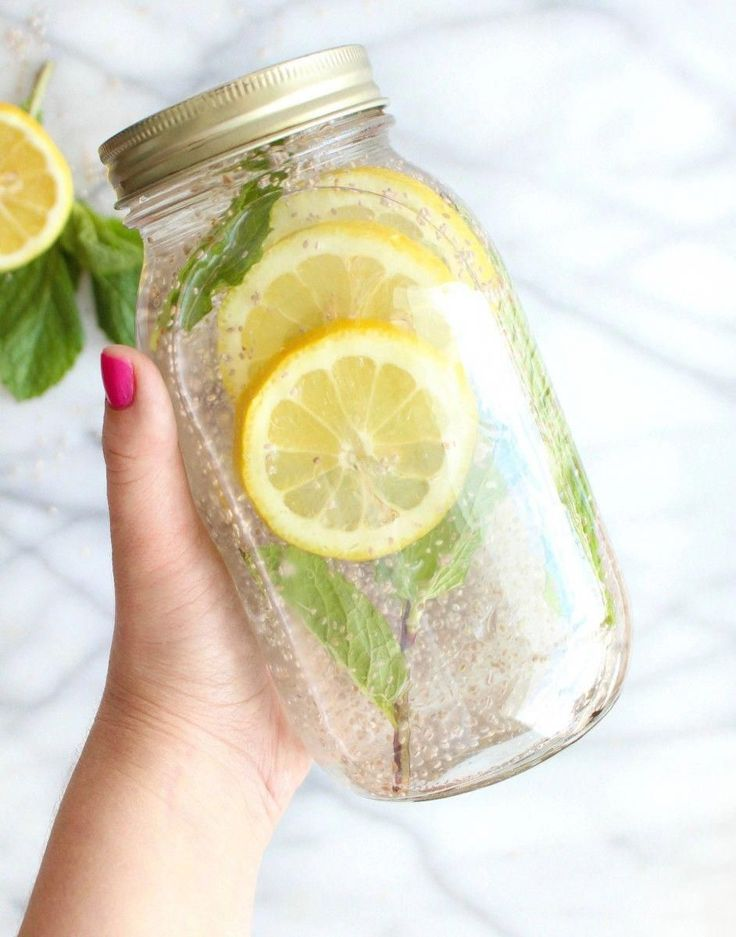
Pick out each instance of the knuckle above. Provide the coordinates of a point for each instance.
(124, 466)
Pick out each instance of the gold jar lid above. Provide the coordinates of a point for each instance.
(253, 109)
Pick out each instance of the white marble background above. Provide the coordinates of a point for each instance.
(597, 141)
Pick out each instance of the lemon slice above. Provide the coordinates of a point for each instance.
(36, 191)
(317, 275)
(372, 193)
(357, 442)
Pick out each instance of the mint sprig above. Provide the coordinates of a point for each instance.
(343, 620)
(347, 623)
(230, 250)
(353, 630)
(40, 328)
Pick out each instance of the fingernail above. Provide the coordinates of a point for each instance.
(118, 379)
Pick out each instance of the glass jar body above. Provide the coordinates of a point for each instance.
(414, 665)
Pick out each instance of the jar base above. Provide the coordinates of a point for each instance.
(502, 772)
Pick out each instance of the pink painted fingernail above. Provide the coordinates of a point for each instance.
(118, 378)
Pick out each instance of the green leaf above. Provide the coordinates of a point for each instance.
(113, 255)
(40, 331)
(343, 620)
(116, 296)
(439, 561)
(102, 245)
(227, 254)
(451, 575)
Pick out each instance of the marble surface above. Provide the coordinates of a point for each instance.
(597, 141)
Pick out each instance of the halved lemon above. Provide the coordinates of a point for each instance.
(36, 191)
(317, 275)
(373, 193)
(357, 442)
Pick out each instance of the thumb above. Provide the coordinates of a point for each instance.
(152, 516)
(162, 556)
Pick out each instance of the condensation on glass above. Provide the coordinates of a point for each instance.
(414, 662)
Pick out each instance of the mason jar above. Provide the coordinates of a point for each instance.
(370, 434)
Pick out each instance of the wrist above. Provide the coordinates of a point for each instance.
(157, 834)
(171, 756)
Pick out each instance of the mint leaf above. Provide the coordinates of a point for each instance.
(102, 245)
(439, 561)
(452, 573)
(229, 252)
(343, 620)
(40, 331)
(113, 255)
(116, 296)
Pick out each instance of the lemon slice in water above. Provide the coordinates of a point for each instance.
(397, 200)
(318, 275)
(357, 441)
